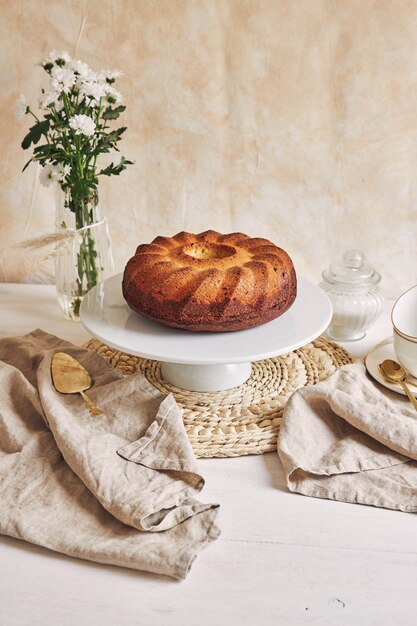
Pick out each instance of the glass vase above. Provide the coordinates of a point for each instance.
(83, 256)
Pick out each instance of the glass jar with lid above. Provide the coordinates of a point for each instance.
(352, 286)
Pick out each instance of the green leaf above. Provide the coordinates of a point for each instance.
(113, 114)
(35, 133)
(27, 165)
(103, 146)
(81, 189)
(115, 135)
(115, 169)
(108, 142)
(107, 171)
(46, 151)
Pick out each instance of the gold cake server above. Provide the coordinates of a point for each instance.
(69, 376)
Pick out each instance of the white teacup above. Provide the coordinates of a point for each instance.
(404, 321)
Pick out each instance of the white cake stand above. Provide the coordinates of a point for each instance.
(203, 361)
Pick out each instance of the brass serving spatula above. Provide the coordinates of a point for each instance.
(69, 376)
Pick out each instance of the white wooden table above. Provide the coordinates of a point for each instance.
(281, 559)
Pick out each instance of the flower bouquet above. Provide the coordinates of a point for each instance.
(79, 106)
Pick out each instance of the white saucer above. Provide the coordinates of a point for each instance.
(197, 360)
(385, 350)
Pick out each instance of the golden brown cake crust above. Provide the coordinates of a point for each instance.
(210, 281)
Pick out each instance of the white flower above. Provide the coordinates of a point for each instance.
(54, 57)
(21, 107)
(53, 173)
(45, 175)
(60, 172)
(94, 90)
(62, 79)
(48, 98)
(109, 75)
(83, 70)
(113, 96)
(83, 125)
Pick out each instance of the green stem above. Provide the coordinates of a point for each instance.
(33, 115)
(86, 257)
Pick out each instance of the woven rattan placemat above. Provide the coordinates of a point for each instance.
(245, 419)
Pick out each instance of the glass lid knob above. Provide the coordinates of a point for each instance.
(353, 258)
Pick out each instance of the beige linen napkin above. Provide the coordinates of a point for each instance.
(348, 438)
(115, 489)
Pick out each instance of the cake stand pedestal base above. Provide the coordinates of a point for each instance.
(216, 377)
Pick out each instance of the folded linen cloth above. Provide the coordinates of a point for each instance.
(115, 489)
(350, 439)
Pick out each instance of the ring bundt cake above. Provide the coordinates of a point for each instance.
(210, 281)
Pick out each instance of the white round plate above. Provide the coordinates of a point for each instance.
(106, 315)
(384, 351)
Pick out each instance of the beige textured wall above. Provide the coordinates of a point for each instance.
(290, 119)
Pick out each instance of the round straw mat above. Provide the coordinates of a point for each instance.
(245, 419)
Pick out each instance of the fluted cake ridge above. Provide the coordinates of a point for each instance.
(210, 281)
